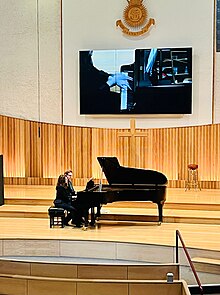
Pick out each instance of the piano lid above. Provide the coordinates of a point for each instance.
(117, 174)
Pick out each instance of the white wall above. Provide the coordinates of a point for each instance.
(30, 51)
(90, 24)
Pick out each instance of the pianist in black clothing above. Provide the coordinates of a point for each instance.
(64, 200)
(95, 94)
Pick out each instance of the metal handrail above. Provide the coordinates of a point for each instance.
(178, 235)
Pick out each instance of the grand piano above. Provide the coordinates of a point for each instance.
(125, 184)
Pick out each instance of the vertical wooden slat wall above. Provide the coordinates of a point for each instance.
(104, 143)
(36, 153)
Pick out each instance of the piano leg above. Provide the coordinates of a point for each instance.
(92, 222)
(86, 217)
(160, 211)
(98, 212)
(92, 216)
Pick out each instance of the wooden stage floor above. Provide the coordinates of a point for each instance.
(128, 231)
(196, 214)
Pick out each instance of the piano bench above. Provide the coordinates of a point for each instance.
(57, 216)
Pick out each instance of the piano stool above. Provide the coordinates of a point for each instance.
(57, 216)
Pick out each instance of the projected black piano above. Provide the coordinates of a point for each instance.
(125, 184)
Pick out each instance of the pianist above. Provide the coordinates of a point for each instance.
(64, 200)
(68, 174)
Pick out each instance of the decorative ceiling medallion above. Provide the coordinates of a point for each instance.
(135, 16)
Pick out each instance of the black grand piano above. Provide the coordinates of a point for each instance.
(125, 184)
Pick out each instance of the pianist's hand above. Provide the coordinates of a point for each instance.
(120, 79)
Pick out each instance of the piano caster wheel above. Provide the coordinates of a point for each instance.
(97, 217)
(84, 228)
(159, 223)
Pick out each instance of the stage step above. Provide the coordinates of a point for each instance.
(24, 211)
(30, 201)
(168, 204)
(207, 265)
(122, 214)
(176, 199)
(196, 207)
(169, 215)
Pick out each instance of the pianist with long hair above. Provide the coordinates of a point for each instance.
(64, 200)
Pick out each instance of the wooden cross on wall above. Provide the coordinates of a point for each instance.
(133, 134)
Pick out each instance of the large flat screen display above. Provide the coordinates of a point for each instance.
(136, 81)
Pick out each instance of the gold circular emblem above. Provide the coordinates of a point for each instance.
(135, 15)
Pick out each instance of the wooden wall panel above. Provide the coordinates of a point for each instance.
(52, 144)
(104, 143)
(12, 132)
(36, 153)
(65, 147)
(36, 163)
(77, 150)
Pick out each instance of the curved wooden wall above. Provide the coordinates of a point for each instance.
(36, 153)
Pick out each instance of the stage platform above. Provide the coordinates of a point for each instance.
(127, 230)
